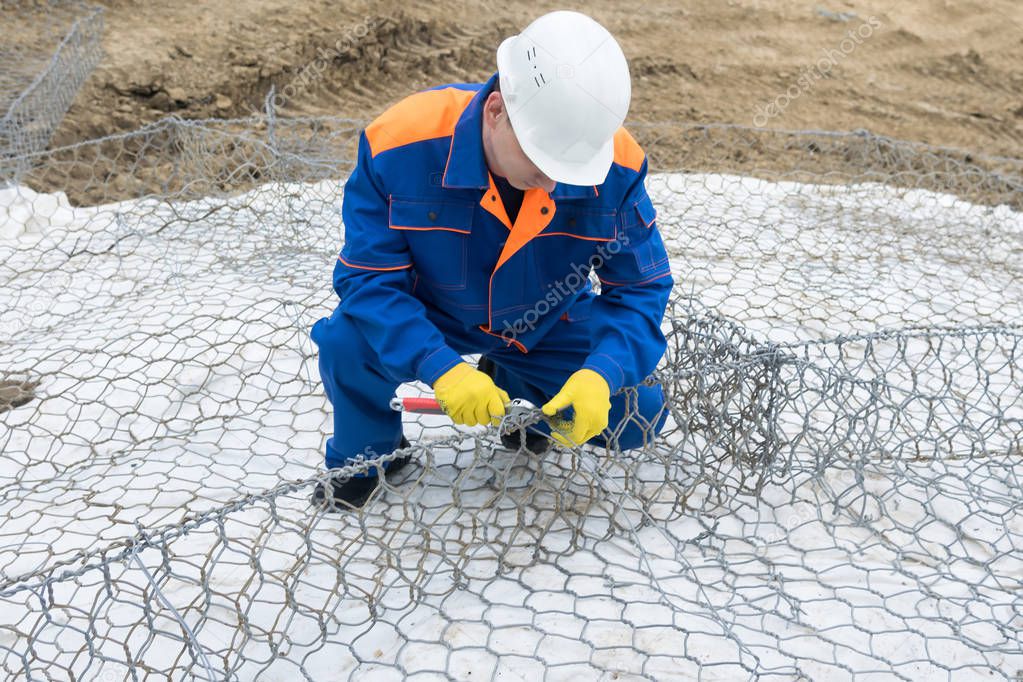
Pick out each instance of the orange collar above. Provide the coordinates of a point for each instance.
(536, 213)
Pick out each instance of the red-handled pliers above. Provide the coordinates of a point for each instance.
(518, 413)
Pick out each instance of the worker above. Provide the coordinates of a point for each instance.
(473, 219)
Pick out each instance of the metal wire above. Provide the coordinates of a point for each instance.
(835, 495)
(36, 89)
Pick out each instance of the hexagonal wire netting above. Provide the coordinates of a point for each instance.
(37, 86)
(835, 495)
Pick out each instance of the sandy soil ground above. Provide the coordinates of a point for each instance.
(936, 71)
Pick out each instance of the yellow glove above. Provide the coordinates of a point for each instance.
(469, 396)
(590, 396)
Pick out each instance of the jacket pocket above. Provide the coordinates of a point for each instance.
(437, 233)
(642, 238)
(585, 223)
(576, 240)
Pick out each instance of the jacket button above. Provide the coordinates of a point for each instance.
(493, 198)
(543, 209)
(432, 215)
(571, 222)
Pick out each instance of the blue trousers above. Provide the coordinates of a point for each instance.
(360, 389)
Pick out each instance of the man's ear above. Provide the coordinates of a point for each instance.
(493, 108)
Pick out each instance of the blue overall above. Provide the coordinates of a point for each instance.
(432, 269)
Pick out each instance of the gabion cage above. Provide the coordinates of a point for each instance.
(835, 495)
(37, 86)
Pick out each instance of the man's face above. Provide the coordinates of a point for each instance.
(502, 151)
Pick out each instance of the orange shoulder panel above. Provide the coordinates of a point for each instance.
(628, 153)
(422, 116)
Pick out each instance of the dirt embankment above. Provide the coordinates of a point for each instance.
(927, 70)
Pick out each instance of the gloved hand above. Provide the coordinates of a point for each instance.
(469, 396)
(590, 396)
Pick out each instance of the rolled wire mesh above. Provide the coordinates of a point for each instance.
(37, 86)
(835, 495)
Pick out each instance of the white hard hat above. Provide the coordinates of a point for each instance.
(566, 86)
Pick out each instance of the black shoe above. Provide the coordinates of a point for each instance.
(352, 493)
(536, 443)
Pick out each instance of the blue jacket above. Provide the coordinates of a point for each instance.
(425, 226)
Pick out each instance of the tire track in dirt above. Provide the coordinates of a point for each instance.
(938, 72)
(401, 55)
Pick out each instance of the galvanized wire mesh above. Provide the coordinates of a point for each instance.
(836, 494)
(38, 85)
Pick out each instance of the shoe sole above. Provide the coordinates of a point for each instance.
(319, 498)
